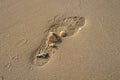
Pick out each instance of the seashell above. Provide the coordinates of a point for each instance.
(52, 45)
(62, 34)
(43, 55)
(80, 29)
(52, 37)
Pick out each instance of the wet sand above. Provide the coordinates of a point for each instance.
(91, 54)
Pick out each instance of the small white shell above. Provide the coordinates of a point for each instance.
(52, 45)
(80, 29)
(62, 34)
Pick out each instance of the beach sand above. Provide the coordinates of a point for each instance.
(90, 54)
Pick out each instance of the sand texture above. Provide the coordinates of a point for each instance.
(90, 51)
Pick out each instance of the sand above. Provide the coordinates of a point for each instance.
(91, 54)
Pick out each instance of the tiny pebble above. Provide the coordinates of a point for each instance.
(63, 34)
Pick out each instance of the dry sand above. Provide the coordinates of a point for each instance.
(91, 54)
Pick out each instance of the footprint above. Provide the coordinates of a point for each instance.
(69, 24)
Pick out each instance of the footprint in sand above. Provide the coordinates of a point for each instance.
(69, 24)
